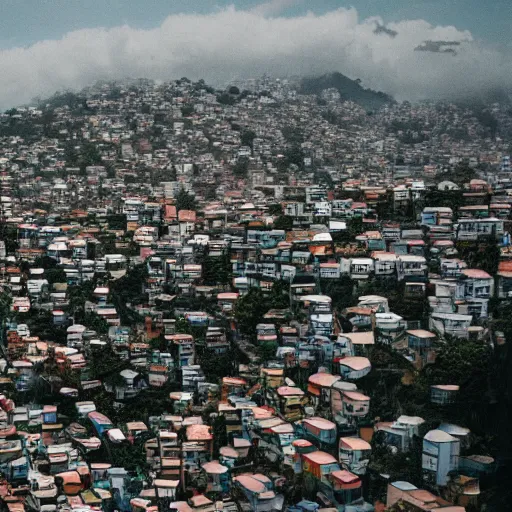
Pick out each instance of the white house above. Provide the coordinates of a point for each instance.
(440, 456)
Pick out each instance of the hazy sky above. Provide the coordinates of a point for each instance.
(46, 45)
(24, 22)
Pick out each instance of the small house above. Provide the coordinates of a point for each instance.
(354, 454)
(443, 394)
(440, 457)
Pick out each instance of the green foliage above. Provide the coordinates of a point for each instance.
(340, 290)
(275, 209)
(5, 305)
(355, 227)
(55, 275)
(198, 332)
(128, 290)
(47, 120)
(279, 295)
(16, 127)
(63, 99)
(104, 362)
(323, 177)
(292, 134)
(215, 366)
(46, 263)
(89, 155)
(79, 294)
(210, 193)
(94, 322)
(461, 362)
(453, 199)
(480, 255)
(185, 200)
(247, 138)
(350, 90)
(116, 221)
(217, 270)
(226, 99)
(403, 466)
(220, 437)
(283, 222)
(267, 350)
(114, 93)
(42, 325)
(8, 235)
(187, 110)
(241, 167)
(295, 155)
(487, 119)
(111, 170)
(460, 175)
(71, 155)
(249, 311)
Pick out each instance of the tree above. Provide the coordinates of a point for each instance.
(71, 155)
(131, 457)
(89, 155)
(325, 178)
(267, 350)
(226, 99)
(187, 110)
(279, 296)
(111, 170)
(96, 323)
(185, 200)
(484, 256)
(460, 175)
(241, 167)
(5, 306)
(78, 295)
(217, 270)
(355, 227)
(215, 366)
(461, 362)
(295, 155)
(340, 290)
(275, 209)
(104, 361)
(219, 431)
(55, 275)
(249, 311)
(292, 134)
(210, 193)
(247, 138)
(128, 290)
(488, 121)
(284, 222)
(47, 120)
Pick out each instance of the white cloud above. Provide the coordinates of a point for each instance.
(274, 7)
(230, 44)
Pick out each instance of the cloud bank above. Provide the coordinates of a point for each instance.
(231, 44)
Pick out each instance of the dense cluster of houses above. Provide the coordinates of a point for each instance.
(162, 198)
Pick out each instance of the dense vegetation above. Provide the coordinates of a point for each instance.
(350, 90)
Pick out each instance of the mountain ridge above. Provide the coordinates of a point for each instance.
(350, 90)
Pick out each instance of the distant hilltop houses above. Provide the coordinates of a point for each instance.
(290, 295)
